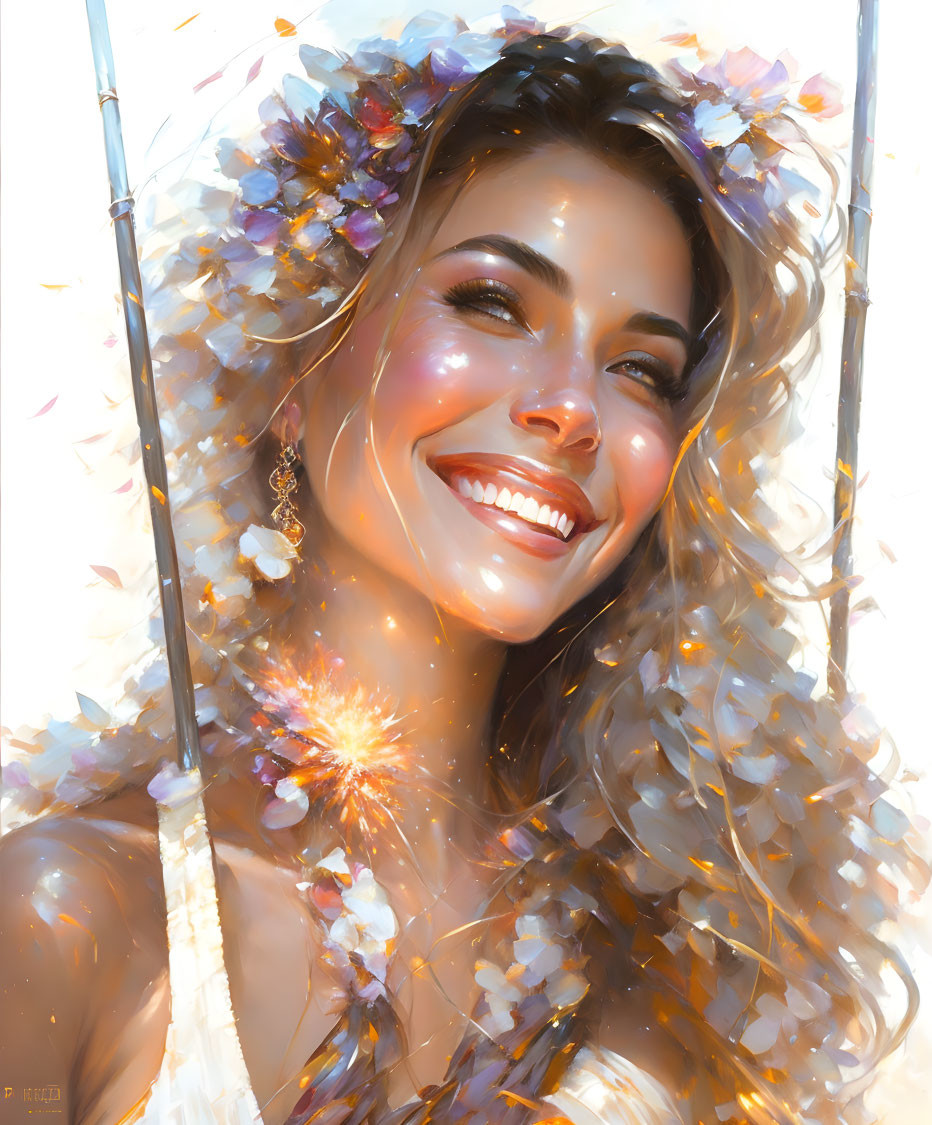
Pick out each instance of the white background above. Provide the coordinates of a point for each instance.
(65, 629)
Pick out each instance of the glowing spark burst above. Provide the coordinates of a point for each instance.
(335, 739)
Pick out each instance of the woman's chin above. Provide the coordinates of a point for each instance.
(509, 623)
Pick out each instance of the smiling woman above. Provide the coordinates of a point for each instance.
(516, 804)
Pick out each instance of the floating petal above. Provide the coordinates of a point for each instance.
(92, 711)
(109, 574)
(821, 97)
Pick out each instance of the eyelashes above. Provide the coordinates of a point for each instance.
(488, 297)
(492, 299)
(653, 373)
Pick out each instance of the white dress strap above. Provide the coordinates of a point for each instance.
(203, 1078)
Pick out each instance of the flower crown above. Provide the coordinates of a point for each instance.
(341, 140)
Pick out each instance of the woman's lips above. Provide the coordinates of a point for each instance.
(526, 502)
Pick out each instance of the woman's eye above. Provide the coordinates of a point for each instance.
(651, 372)
(488, 298)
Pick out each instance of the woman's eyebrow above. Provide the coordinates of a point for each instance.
(653, 324)
(529, 259)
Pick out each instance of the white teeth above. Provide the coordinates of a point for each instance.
(525, 507)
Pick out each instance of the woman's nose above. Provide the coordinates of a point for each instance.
(566, 418)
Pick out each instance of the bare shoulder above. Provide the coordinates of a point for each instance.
(85, 864)
(82, 949)
(84, 957)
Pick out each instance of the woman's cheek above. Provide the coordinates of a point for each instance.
(644, 453)
(439, 376)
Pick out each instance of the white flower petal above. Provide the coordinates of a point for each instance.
(345, 934)
(272, 566)
(335, 862)
(172, 786)
(266, 540)
(718, 124)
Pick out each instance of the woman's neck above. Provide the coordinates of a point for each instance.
(438, 676)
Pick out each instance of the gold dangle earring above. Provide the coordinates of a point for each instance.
(283, 482)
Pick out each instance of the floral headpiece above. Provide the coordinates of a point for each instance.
(341, 139)
(745, 110)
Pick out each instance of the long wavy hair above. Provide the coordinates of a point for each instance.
(662, 726)
(725, 818)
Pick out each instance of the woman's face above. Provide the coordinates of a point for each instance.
(500, 421)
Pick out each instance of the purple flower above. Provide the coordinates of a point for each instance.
(419, 100)
(748, 82)
(363, 230)
(449, 66)
(375, 190)
(518, 21)
(237, 249)
(259, 186)
(262, 227)
(15, 775)
(267, 770)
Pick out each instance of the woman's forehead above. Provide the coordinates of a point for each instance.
(599, 226)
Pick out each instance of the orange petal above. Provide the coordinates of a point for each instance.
(108, 573)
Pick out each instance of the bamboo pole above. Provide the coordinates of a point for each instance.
(852, 350)
(153, 455)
